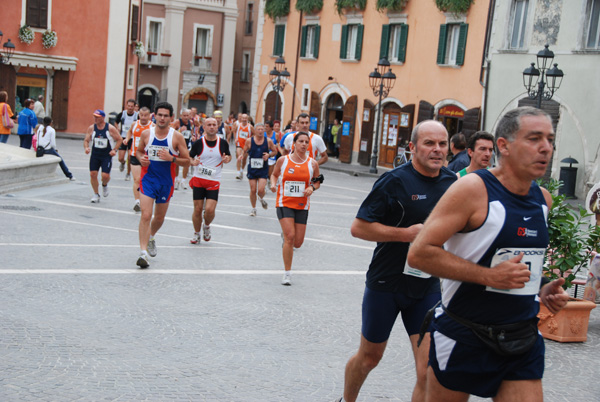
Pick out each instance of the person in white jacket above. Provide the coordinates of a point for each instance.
(47, 139)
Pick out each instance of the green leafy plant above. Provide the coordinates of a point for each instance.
(572, 238)
(390, 5)
(26, 34)
(277, 8)
(341, 4)
(49, 39)
(309, 6)
(454, 6)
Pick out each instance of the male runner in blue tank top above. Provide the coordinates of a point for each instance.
(105, 141)
(488, 236)
(392, 215)
(160, 149)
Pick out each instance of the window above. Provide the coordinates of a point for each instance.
(518, 20)
(37, 13)
(248, 25)
(130, 76)
(393, 42)
(135, 16)
(351, 43)
(279, 40)
(245, 77)
(305, 97)
(593, 28)
(154, 39)
(452, 44)
(310, 41)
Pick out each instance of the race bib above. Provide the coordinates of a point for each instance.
(153, 152)
(124, 131)
(243, 134)
(100, 142)
(206, 170)
(186, 134)
(137, 141)
(256, 163)
(408, 270)
(533, 258)
(294, 188)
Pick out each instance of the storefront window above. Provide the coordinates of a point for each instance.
(29, 87)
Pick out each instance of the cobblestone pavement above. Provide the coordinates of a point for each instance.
(211, 322)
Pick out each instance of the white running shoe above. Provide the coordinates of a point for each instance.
(253, 212)
(96, 198)
(142, 261)
(177, 183)
(287, 278)
(122, 166)
(127, 177)
(196, 238)
(239, 176)
(263, 203)
(184, 184)
(105, 191)
(152, 247)
(137, 207)
(206, 233)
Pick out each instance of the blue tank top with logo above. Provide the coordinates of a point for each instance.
(256, 164)
(102, 143)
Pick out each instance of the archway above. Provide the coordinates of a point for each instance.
(147, 97)
(334, 110)
(269, 114)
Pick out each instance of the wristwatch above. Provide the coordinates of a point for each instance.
(174, 159)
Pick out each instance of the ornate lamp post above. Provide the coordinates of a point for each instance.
(381, 82)
(8, 49)
(542, 87)
(278, 76)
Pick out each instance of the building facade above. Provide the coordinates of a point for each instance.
(436, 57)
(521, 28)
(245, 41)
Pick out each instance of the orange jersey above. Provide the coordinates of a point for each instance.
(136, 133)
(242, 134)
(295, 177)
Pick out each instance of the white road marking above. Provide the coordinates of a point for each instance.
(169, 272)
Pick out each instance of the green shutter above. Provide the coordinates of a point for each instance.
(316, 44)
(441, 53)
(462, 44)
(344, 42)
(303, 41)
(359, 40)
(385, 42)
(279, 40)
(402, 44)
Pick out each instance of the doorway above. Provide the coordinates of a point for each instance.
(147, 97)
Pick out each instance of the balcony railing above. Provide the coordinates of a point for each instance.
(159, 58)
(202, 63)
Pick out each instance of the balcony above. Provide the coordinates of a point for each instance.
(202, 63)
(156, 58)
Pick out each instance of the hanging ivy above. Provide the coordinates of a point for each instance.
(454, 6)
(390, 5)
(277, 8)
(341, 4)
(309, 6)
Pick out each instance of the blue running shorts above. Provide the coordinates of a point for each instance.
(161, 193)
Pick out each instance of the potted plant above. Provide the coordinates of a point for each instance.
(139, 50)
(390, 5)
(277, 8)
(309, 6)
(49, 39)
(572, 244)
(341, 5)
(454, 6)
(26, 34)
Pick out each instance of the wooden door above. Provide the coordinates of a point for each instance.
(366, 133)
(8, 83)
(388, 134)
(471, 122)
(270, 107)
(60, 99)
(347, 130)
(315, 110)
(426, 111)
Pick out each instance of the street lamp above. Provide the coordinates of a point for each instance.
(381, 82)
(546, 79)
(278, 76)
(8, 50)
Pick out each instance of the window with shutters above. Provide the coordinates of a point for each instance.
(452, 44)
(351, 43)
(203, 39)
(154, 34)
(518, 23)
(135, 19)
(393, 42)
(592, 39)
(249, 21)
(309, 46)
(37, 13)
(245, 76)
(279, 40)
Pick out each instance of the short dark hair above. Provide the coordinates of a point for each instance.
(303, 115)
(510, 123)
(132, 101)
(269, 123)
(480, 135)
(3, 96)
(459, 141)
(145, 109)
(47, 120)
(28, 102)
(299, 133)
(164, 105)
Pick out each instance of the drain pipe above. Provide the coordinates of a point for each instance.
(484, 75)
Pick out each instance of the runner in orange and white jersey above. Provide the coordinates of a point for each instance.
(243, 131)
(299, 179)
(133, 134)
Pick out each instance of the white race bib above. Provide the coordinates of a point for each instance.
(243, 134)
(153, 152)
(533, 258)
(100, 142)
(206, 170)
(256, 163)
(137, 141)
(408, 270)
(294, 188)
(186, 134)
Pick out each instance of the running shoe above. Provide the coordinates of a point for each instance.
(152, 247)
(263, 203)
(72, 178)
(184, 184)
(105, 191)
(177, 183)
(127, 177)
(137, 207)
(96, 198)
(253, 212)
(142, 261)
(122, 166)
(239, 176)
(206, 232)
(196, 238)
(287, 278)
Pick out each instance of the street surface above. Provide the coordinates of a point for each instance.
(209, 322)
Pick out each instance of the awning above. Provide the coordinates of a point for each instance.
(44, 61)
